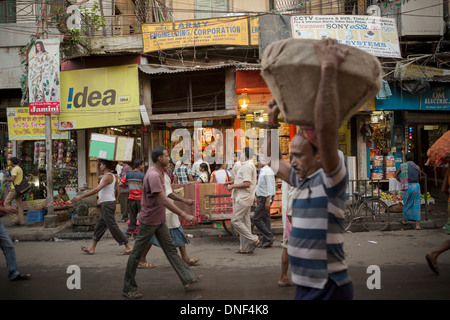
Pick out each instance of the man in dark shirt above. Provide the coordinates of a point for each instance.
(152, 220)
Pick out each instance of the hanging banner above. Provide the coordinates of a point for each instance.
(99, 97)
(43, 77)
(193, 33)
(375, 35)
(23, 126)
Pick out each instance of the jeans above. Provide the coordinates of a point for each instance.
(261, 219)
(142, 240)
(134, 206)
(9, 252)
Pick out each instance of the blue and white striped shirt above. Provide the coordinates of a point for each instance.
(316, 243)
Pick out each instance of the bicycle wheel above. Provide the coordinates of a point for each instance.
(374, 215)
(348, 216)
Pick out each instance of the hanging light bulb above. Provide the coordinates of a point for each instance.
(243, 100)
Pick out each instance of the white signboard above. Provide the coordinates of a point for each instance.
(375, 35)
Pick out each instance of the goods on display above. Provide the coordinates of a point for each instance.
(291, 70)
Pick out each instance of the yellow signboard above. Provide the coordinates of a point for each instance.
(23, 126)
(99, 97)
(190, 33)
(254, 31)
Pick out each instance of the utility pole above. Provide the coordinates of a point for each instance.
(48, 133)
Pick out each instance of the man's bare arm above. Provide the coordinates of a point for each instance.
(326, 106)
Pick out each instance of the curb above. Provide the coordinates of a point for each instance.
(39, 233)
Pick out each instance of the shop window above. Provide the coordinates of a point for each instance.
(7, 11)
(190, 93)
(205, 9)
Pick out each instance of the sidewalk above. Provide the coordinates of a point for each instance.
(35, 231)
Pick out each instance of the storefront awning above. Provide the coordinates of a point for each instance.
(153, 69)
(218, 114)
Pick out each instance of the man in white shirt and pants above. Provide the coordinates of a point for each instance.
(265, 191)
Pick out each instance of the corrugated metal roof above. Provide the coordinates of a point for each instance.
(151, 69)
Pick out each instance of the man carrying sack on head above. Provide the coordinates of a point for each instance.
(318, 173)
(16, 178)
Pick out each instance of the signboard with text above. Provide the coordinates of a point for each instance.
(99, 97)
(44, 78)
(375, 35)
(191, 33)
(23, 126)
(437, 98)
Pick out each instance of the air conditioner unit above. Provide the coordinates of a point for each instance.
(421, 18)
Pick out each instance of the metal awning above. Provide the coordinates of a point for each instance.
(160, 69)
(153, 69)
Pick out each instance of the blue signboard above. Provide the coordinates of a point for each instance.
(436, 98)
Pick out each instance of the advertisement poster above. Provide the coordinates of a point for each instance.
(43, 77)
(190, 33)
(375, 35)
(23, 126)
(99, 97)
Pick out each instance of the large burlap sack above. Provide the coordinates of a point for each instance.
(291, 70)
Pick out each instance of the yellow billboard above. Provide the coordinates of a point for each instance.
(191, 33)
(254, 31)
(23, 126)
(99, 97)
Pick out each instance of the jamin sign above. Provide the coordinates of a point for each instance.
(43, 77)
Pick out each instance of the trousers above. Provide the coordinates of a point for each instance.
(107, 221)
(13, 195)
(261, 219)
(242, 225)
(170, 251)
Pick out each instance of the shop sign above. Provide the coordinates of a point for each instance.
(43, 77)
(435, 99)
(190, 33)
(23, 126)
(254, 31)
(99, 97)
(375, 35)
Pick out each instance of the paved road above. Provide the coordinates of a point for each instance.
(400, 256)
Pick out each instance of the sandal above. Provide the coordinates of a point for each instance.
(124, 253)
(192, 262)
(418, 227)
(146, 265)
(132, 295)
(403, 222)
(252, 246)
(22, 277)
(241, 252)
(86, 250)
(194, 281)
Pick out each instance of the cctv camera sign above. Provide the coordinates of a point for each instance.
(375, 35)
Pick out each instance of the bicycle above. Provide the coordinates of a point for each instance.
(371, 212)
